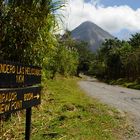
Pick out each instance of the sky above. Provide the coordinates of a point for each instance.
(132, 3)
(121, 18)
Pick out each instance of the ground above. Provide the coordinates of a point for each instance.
(124, 99)
(67, 113)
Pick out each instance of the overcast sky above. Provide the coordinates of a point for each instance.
(119, 17)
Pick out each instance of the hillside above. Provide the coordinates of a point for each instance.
(91, 33)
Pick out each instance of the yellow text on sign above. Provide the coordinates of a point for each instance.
(6, 68)
(4, 107)
(28, 96)
(7, 97)
(20, 78)
(16, 105)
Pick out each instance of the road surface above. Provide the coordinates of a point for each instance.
(124, 99)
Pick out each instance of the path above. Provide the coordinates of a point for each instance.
(124, 99)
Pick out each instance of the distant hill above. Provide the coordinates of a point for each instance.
(91, 33)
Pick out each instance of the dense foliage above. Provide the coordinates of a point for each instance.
(63, 60)
(118, 59)
(22, 23)
(28, 35)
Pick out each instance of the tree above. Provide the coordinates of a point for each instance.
(118, 59)
(21, 25)
(85, 57)
(135, 40)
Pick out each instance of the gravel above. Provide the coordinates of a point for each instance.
(123, 99)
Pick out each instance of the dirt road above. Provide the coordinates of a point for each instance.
(124, 99)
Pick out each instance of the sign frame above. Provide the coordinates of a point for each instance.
(17, 90)
(18, 75)
(12, 100)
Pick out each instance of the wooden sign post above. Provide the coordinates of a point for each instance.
(17, 75)
(17, 91)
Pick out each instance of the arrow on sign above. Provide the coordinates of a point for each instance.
(37, 96)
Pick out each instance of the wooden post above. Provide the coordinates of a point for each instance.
(28, 123)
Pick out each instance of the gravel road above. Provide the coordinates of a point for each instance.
(124, 99)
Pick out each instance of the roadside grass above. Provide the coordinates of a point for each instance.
(66, 113)
(126, 83)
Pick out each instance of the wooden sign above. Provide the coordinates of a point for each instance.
(12, 100)
(15, 75)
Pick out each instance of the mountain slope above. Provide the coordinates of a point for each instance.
(91, 33)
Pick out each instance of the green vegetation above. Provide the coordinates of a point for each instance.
(28, 35)
(120, 61)
(66, 113)
(116, 62)
(24, 24)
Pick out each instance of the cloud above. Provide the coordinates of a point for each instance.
(112, 19)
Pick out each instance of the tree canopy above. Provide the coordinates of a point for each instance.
(118, 59)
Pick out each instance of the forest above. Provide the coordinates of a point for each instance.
(29, 34)
(118, 62)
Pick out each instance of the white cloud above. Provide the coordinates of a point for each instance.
(111, 19)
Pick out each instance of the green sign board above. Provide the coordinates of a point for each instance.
(17, 91)
(12, 100)
(16, 74)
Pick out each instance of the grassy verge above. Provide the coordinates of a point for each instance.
(125, 83)
(66, 113)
